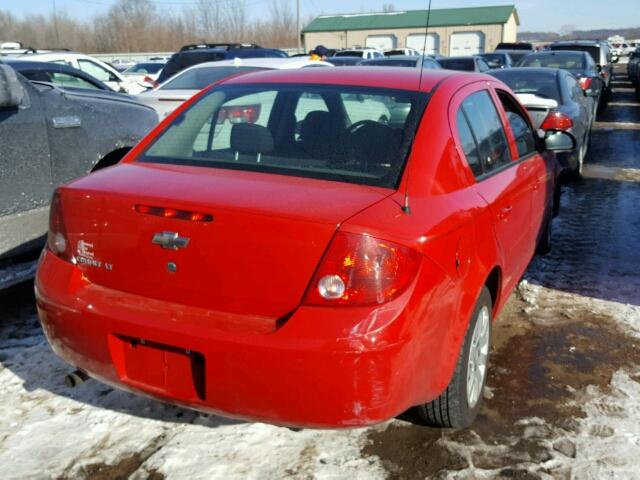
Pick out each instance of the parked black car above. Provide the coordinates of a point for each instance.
(190, 55)
(516, 50)
(402, 61)
(601, 54)
(56, 74)
(472, 63)
(580, 64)
(633, 70)
(555, 100)
(498, 59)
(50, 136)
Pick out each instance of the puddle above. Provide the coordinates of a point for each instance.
(536, 374)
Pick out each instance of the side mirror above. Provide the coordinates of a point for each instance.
(11, 92)
(559, 141)
(599, 67)
(590, 92)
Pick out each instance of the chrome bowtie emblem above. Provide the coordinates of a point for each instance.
(170, 240)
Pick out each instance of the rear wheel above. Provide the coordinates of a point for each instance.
(459, 404)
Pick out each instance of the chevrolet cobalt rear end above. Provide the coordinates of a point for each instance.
(283, 249)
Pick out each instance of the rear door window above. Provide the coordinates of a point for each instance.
(488, 131)
(469, 145)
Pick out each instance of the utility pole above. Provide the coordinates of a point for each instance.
(55, 24)
(299, 33)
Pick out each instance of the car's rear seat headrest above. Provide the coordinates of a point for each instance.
(251, 139)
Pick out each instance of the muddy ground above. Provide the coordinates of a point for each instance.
(561, 400)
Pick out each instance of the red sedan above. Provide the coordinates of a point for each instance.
(325, 247)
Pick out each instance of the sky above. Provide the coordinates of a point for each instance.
(535, 15)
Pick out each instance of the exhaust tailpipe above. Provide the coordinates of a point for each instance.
(76, 378)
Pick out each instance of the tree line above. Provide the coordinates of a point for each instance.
(142, 26)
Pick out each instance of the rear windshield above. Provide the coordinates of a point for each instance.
(333, 132)
(514, 46)
(494, 58)
(464, 64)
(348, 53)
(199, 78)
(593, 51)
(568, 61)
(180, 61)
(390, 62)
(540, 84)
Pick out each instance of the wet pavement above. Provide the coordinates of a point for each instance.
(560, 401)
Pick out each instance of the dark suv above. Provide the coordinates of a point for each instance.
(601, 54)
(190, 55)
(516, 50)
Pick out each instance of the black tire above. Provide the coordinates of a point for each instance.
(451, 409)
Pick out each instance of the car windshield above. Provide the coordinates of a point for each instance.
(464, 64)
(199, 78)
(343, 133)
(145, 68)
(568, 61)
(540, 84)
(594, 51)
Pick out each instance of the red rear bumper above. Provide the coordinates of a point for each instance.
(305, 373)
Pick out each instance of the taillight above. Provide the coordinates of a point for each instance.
(585, 82)
(557, 121)
(57, 239)
(360, 270)
(173, 213)
(239, 114)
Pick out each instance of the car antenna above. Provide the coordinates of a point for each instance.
(405, 205)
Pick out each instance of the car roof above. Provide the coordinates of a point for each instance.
(20, 63)
(274, 63)
(558, 52)
(400, 78)
(577, 42)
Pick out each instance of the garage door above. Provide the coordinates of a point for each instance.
(416, 41)
(381, 42)
(467, 43)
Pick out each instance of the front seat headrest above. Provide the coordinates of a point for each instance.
(251, 139)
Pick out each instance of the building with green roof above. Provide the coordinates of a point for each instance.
(452, 31)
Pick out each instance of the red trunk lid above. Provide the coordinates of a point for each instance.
(254, 258)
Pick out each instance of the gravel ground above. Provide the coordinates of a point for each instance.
(561, 400)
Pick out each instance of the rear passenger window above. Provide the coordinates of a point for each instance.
(486, 126)
(469, 145)
(522, 131)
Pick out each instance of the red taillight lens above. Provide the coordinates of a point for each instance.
(57, 239)
(360, 270)
(585, 82)
(239, 114)
(557, 121)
